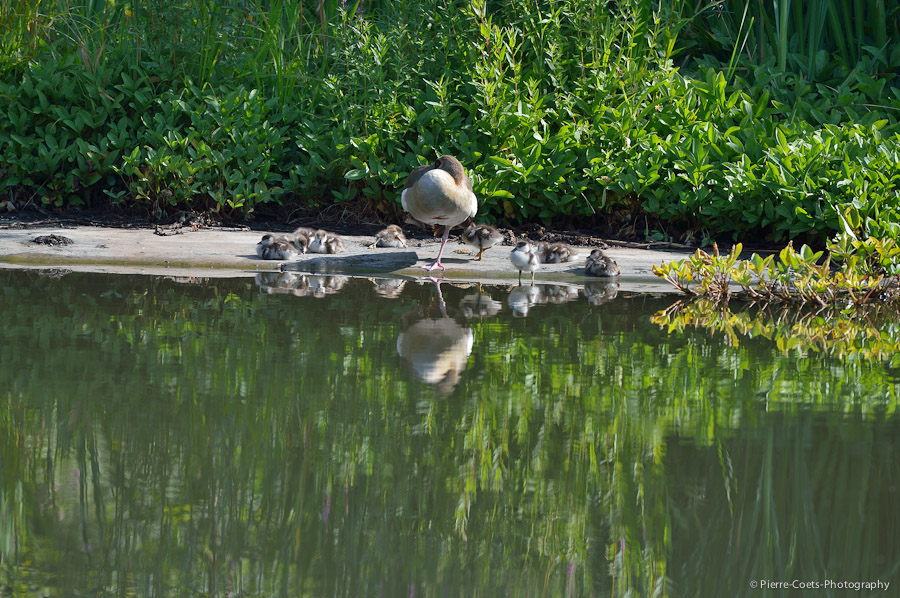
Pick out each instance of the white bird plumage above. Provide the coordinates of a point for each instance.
(524, 256)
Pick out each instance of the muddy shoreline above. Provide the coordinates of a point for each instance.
(194, 248)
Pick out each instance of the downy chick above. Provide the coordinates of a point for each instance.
(481, 237)
(524, 257)
(598, 264)
(324, 242)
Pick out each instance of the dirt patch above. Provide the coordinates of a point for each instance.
(53, 240)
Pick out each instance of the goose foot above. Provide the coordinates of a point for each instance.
(435, 265)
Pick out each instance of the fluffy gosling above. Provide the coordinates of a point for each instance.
(554, 253)
(324, 242)
(390, 236)
(271, 247)
(482, 237)
(525, 257)
(598, 264)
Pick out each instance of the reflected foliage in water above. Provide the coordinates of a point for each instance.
(291, 435)
(855, 332)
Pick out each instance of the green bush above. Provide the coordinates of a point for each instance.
(219, 152)
(64, 130)
(557, 111)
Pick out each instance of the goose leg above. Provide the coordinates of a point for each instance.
(436, 264)
(437, 285)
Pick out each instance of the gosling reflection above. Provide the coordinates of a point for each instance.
(325, 284)
(281, 283)
(389, 288)
(300, 285)
(559, 293)
(57, 272)
(598, 292)
(522, 299)
(197, 280)
(435, 345)
(479, 305)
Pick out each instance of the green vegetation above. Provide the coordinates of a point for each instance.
(794, 298)
(868, 274)
(680, 119)
(210, 439)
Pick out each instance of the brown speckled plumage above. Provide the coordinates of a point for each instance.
(554, 253)
(325, 242)
(272, 247)
(391, 236)
(481, 237)
(598, 264)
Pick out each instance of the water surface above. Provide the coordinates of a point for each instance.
(291, 435)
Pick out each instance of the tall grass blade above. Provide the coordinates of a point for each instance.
(782, 17)
(735, 52)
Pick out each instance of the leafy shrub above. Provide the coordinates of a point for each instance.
(65, 129)
(868, 274)
(219, 152)
(556, 110)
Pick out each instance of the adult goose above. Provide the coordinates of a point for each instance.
(439, 193)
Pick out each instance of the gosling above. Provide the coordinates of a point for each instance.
(482, 237)
(525, 257)
(324, 242)
(391, 236)
(598, 264)
(271, 247)
(555, 253)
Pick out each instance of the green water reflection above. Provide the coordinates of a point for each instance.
(325, 436)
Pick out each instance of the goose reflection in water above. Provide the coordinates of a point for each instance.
(281, 283)
(435, 343)
(600, 292)
(521, 299)
(300, 285)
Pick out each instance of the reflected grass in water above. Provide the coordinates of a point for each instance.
(160, 437)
